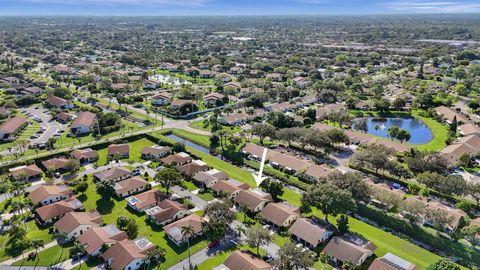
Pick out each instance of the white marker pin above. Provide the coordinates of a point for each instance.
(258, 178)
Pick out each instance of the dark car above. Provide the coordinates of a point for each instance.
(213, 243)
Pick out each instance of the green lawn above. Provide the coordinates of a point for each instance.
(439, 131)
(113, 208)
(33, 232)
(201, 140)
(47, 257)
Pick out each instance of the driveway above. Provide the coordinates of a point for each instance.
(184, 193)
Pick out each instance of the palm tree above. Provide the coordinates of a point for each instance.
(187, 232)
(36, 244)
(160, 251)
(61, 238)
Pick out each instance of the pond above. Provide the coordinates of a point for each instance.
(419, 131)
(188, 143)
(193, 145)
(167, 79)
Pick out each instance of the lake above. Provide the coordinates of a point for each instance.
(167, 79)
(420, 133)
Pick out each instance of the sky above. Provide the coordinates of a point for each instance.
(233, 7)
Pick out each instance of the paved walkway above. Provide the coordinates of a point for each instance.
(70, 263)
(18, 258)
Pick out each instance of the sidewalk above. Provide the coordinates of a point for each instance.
(70, 264)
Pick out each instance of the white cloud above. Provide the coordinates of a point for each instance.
(125, 2)
(433, 7)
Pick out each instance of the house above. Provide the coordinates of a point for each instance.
(143, 201)
(231, 187)
(349, 248)
(84, 155)
(281, 107)
(243, 260)
(155, 152)
(315, 172)
(26, 173)
(115, 174)
(456, 215)
(208, 178)
(391, 262)
(74, 224)
(233, 85)
(206, 74)
(4, 111)
(212, 99)
(276, 77)
(128, 254)
(234, 119)
(306, 100)
(56, 164)
(321, 111)
(97, 237)
(203, 65)
(58, 103)
(151, 84)
(280, 214)
(286, 162)
(48, 194)
(177, 159)
(32, 91)
(248, 91)
(174, 230)
(469, 129)
(83, 123)
(120, 150)
(311, 232)
(241, 117)
(301, 81)
(193, 167)
(465, 145)
(225, 77)
(62, 69)
(449, 115)
(51, 212)
(11, 127)
(255, 152)
(179, 103)
(164, 98)
(253, 199)
(64, 117)
(11, 80)
(130, 186)
(166, 212)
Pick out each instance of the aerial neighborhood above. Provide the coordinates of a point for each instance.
(252, 143)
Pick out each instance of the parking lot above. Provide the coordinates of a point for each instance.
(48, 126)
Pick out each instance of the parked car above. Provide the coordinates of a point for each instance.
(268, 258)
(213, 243)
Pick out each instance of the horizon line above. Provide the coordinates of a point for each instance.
(239, 15)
